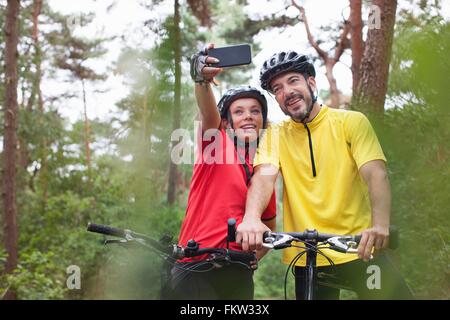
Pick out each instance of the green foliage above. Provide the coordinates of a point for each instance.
(415, 137)
(150, 74)
(134, 272)
(131, 155)
(270, 276)
(71, 52)
(56, 231)
(37, 277)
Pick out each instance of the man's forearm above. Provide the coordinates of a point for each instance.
(375, 175)
(380, 198)
(259, 195)
(249, 232)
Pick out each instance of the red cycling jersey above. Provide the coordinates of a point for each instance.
(218, 192)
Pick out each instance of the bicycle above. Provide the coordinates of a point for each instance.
(313, 243)
(171, 253)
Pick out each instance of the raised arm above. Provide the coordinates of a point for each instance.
(209, 115)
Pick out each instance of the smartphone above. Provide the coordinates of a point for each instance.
(232, 55)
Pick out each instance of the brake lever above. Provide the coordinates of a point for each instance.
(337, 243)
(126, 241)
(283, 241)
(113, 241)
(349, 246)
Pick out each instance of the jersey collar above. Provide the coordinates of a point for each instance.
(315, 122)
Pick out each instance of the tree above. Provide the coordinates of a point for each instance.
(72, 54)
(27, 76)
(201, 10)
(234, 26)
(34, 127)
(418, 88)
(328, 59)
(374, 69)
(152, 76)
(171, 192)
(43, 176)
(356, 40)
(10, 138)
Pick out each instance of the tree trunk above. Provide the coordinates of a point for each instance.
(37, 85)
(38, 55)
(143, 196)
(24, 158)
(200, 9)
(356, 42)
(87, 134)
(334, 92)
(171, 193)
(10, 139)
(374, 70)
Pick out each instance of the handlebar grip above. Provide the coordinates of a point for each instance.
(111, 231)
(231, 237)
(393, 237)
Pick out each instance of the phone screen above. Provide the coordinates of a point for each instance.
(232, 55)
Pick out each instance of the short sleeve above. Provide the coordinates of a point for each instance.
(361, 137)
(268, 148)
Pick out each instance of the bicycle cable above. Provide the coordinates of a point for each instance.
(294, 261)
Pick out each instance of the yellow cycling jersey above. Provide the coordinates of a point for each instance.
(333, 198)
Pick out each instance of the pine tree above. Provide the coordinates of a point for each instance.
(10, 139)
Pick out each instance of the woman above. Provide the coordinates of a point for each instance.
(227, 142)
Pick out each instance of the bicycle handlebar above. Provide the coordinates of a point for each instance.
(313, 243)
(281, 240)
(173, 250)
(128, 235)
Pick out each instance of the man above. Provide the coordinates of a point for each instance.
(227, 144)
(334, 177)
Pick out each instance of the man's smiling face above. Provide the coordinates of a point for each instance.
(292, 94)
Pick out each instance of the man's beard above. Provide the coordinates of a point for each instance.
(301, 114)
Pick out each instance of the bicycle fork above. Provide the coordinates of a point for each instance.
(310, 271)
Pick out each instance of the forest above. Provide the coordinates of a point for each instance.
(87, 134)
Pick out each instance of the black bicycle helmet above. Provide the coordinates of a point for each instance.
(242, 92)
(283, 62)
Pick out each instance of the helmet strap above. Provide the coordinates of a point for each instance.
(313, 100)
(230, 119)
